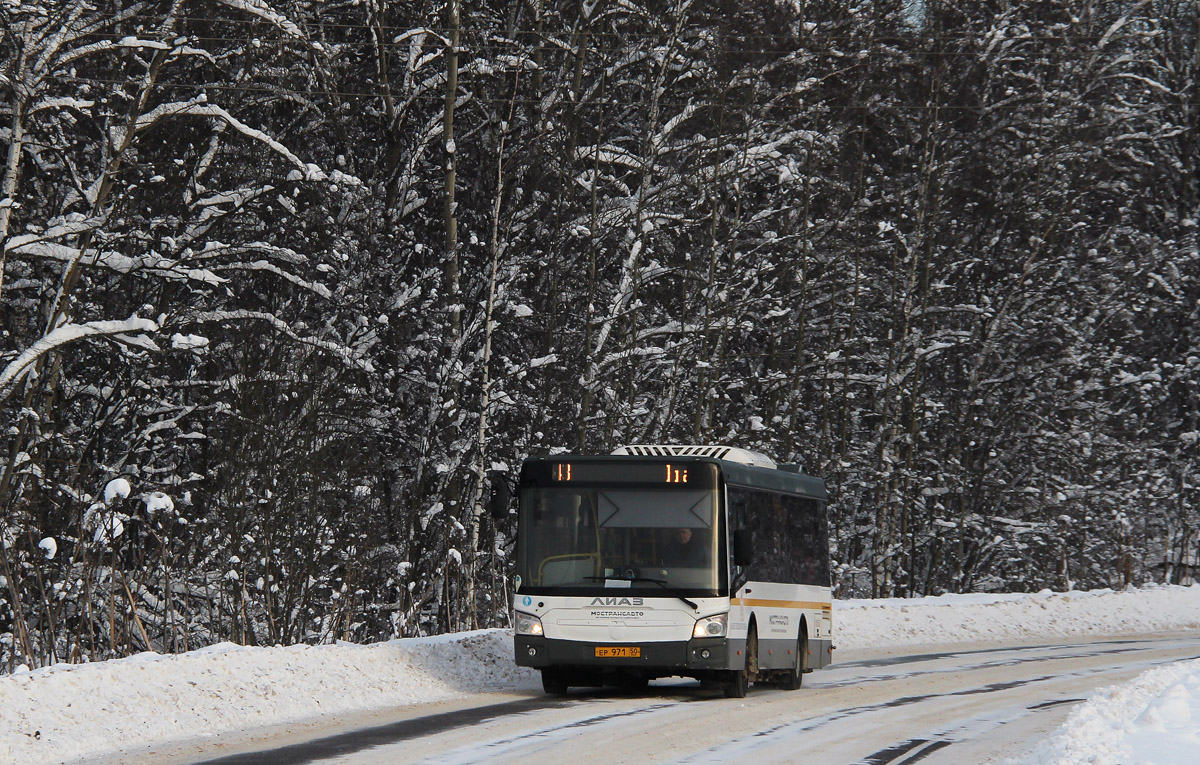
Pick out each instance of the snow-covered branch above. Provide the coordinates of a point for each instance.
(65, 335)
(347, 355)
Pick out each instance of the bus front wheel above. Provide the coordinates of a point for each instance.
(736, 684)
(554, 682)
(737, 681)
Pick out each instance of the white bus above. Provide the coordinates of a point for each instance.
(708, 562)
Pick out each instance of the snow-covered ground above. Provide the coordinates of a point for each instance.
(1155, 718)
(1014, 617)
(71, 712)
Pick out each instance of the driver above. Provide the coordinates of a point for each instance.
(684, 549)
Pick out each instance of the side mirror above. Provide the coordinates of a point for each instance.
(743, 547)
(500, 498)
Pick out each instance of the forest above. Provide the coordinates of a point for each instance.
(285, 284)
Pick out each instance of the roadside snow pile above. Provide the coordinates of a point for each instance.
(1014, 617)
(1155, 718)
(70, 711)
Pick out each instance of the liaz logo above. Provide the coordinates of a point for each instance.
(616, 601)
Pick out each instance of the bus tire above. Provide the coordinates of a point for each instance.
(735, 686)
(737, 681)
(554, 682)
(793, 677)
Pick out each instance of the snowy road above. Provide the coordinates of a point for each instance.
(972, 703)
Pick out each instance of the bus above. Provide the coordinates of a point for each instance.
(707, 562)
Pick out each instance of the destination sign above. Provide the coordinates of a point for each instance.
(681, 474)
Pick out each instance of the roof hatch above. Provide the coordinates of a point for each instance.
(728, 453)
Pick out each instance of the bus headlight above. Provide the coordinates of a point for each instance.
(712, 626)
(527, 624)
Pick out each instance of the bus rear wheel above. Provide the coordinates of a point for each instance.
(793, 677)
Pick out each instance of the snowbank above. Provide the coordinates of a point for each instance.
(1155, 718)
(1015, 617)
(69, 712)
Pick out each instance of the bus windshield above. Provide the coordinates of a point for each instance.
(645, 539)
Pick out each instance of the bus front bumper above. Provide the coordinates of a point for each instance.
(663, 659)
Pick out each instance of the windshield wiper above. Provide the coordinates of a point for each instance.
(640, 579)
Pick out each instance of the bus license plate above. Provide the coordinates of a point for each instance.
(618, 652)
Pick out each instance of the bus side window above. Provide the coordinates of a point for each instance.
(766, 519)
(737, 507)
(811, 542)
(737, 510)
(804, 551)
(821, 535)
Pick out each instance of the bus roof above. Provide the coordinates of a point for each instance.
(774, 480)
